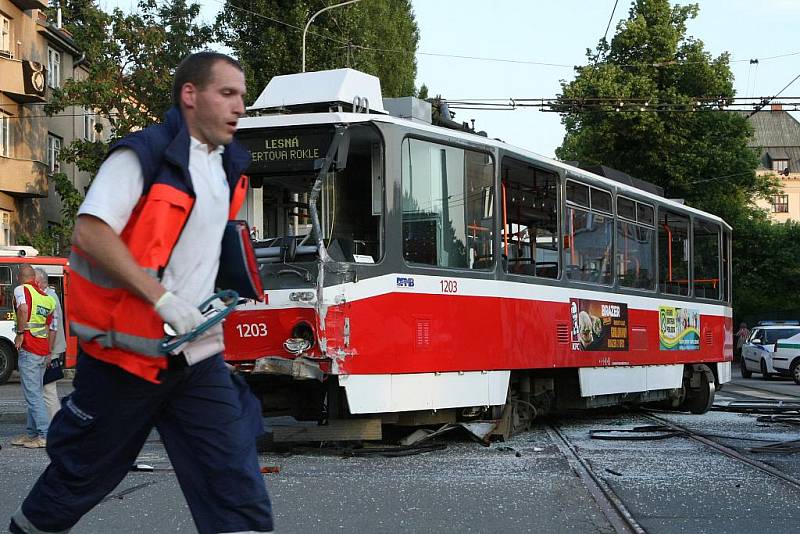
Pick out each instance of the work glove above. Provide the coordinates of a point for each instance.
(179, 314)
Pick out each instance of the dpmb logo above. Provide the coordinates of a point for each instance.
(404, 281)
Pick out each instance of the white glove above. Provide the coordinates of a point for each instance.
(179, 314)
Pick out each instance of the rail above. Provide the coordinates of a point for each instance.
(610, 504)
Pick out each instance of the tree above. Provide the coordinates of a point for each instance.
(765, 269)
(649, 104)
(375, 36)
(130, 59)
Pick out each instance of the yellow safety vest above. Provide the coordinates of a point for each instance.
(42, 307)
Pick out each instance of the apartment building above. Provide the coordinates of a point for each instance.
(36, 56)
(777, 138)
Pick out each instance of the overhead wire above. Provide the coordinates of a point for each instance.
(479, 58)
(613, 10)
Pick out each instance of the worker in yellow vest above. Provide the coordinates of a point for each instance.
(33, 341)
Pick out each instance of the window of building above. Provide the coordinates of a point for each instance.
(448, 206)
(673, 253)
(530, 219)
(636, 258)
(89, 120)
(6, 290)
(53, 151)
(53, 68)
(5, 228)
(706, 254)
(588, 234)
(780, 204)
(5, 134)
(779, 165)
(5, 36)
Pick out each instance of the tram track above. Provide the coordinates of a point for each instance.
(725, 450)
(609, 502)
(612, 505)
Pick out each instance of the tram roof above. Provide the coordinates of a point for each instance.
(308, 119)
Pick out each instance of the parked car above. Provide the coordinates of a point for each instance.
(758, 350)
(786, 359)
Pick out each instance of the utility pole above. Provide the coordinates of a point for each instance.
(312, 20)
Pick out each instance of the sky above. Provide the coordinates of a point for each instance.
(559, 32)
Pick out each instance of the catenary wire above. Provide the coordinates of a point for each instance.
(613, 10)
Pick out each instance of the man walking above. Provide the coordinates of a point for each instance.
(34, 313)
(146, 252)
(58, 345)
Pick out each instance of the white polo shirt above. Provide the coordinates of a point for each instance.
(192, 269)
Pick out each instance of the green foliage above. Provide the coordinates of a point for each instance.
(695, 152)
(130, 60)
(48, 242)
(375, 36)
(690, 148)
(765, 269)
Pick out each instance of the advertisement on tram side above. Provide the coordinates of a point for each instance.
(678, 328)
(599, 325)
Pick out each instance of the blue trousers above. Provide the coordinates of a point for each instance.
(31, 371)
(207, 418)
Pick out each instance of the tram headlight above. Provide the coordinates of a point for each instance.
(302, 339)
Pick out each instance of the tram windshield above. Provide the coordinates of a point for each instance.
(285, 163)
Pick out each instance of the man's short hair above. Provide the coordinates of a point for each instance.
(196, 69)
(26, 273)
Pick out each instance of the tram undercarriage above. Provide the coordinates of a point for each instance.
(532, 394)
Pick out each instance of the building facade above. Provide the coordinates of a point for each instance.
(36, 57)
(777, 137)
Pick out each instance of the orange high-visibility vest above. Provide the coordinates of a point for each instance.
(113, 324)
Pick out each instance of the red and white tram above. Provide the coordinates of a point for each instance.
(419, 273)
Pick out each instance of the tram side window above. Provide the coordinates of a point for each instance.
(726, 266)
(588, 234)
(673, 253)
(530, 213)
(706, 259)
(635, 244)
(448, 206)
(6, 292)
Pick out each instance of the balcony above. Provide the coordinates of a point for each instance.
(23, 177)
(22, 81)
(29, 4)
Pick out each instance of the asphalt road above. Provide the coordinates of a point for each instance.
(523, 485)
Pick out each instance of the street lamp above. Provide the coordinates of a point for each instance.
(312, 20)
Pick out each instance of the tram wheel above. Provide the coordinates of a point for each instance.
(764, 373)
(700, 390)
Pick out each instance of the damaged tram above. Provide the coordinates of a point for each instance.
(417, 274)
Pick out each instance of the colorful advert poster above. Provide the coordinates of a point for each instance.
(599, 325)
(678, 328)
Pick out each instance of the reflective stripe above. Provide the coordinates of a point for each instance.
(143, 346)
(28, 527)
(79, 264)
(36, 329)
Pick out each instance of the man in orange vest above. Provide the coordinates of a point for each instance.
(146, 251)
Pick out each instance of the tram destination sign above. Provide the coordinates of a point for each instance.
(285, 151)
(599, 325)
